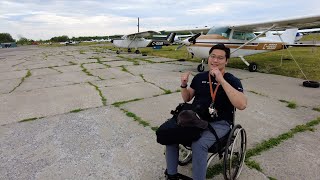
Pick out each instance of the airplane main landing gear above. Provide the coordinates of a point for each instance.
(129, 50)
(118, 51)
(253, 67)
(200, 68)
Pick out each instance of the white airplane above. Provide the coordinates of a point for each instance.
(299, 34)
(177, 38)
(243, 42)
(70, 43)
(137, 40)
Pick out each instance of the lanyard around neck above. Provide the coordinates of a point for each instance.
(213, 94)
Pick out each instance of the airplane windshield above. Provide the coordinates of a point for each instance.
(223, 31)
(243, 35)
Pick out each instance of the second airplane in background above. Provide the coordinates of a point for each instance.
(137, 40)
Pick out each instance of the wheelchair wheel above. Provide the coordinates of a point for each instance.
(235, 152)
(185, 155)
(213, 159)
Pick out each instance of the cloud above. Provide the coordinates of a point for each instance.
(215, 8)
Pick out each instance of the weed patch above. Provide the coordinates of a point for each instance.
(316, 109)
(136, 118)
(30, 119)
(76, 110)
(22, 80)
(103, 99)
(290, 104)
(118, 104)
(254, 92)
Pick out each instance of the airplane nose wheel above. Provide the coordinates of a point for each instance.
(253, 67)
(137, 51)
(200, 68)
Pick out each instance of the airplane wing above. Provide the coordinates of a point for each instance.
(309, 30)
(304, 22)
(142, 34)
(190, 31)
(180, 36)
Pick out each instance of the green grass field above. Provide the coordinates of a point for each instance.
(307, 58)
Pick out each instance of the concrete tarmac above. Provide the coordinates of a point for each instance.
(84, 112)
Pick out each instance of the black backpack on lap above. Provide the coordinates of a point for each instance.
(172, 133)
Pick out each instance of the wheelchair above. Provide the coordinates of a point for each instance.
(231, 147)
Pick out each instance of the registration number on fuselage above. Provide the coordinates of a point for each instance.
(155, 43)
(269, 46)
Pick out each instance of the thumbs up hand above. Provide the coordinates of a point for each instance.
(185, 78)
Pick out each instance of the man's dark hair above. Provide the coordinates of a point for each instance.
(221, 47)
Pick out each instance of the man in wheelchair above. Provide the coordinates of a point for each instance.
(219, 93)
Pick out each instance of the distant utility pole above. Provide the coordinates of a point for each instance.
(138, 24)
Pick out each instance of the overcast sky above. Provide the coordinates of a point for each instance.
(43, 19)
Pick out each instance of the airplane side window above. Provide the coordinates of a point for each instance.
(238, 35)
(249, 36)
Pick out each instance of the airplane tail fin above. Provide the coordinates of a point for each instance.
(170, 37)
(289, 35)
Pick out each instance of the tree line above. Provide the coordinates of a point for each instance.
(6, 37)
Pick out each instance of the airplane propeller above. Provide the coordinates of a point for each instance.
(193, 38)
(188, 41)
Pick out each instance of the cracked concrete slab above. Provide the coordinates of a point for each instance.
(158, 108)
(71, 68)
(110, 73)
(142, 69)
(129, 92)
(43, 64)
(118, 63)
(297, 158)
(94, 66)
(172, 67)
(166, 80)
(44, 71)
(100, 143)
(13, 75)
(160, 59)
(118, 81)
(18, 106)
(8, 85)
(54, 80)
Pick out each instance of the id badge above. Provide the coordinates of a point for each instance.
(212, 110)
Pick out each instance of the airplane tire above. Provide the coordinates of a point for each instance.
(129, 50)
(253, 67)
(312, 84)
(137, 52)
(118, 52)
(200, 68)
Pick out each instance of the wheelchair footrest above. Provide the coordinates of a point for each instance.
(184, 177)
